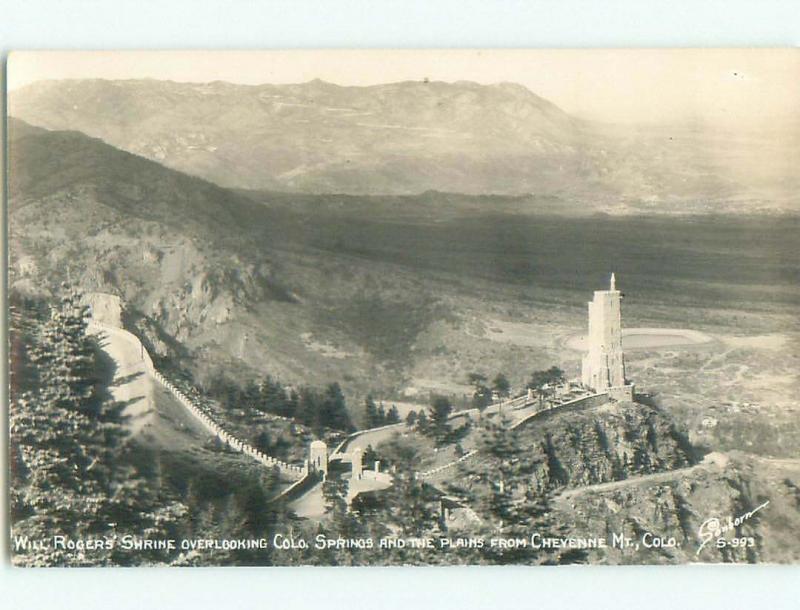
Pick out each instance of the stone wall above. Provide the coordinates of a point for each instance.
(572, 405)
(299, 487)
(199, 413)
(584, 402)
(434, 471)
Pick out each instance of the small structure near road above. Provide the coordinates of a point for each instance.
(318, 458)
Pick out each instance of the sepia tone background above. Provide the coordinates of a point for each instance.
(574, 576)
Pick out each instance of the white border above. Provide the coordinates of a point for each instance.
(139, 24)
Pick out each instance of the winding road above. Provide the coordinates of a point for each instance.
(131, 385)
(711, 461)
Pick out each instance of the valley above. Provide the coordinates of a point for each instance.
(403, 308)
(279, 253)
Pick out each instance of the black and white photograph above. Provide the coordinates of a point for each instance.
(404, 307)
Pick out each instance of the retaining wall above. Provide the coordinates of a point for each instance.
(206, 420)
(434, 471)
(572, 405)
(593, 400)
(341, 446)
(299, 487)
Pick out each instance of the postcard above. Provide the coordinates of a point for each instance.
(404, 307)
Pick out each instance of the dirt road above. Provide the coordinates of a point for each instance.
(131, 384)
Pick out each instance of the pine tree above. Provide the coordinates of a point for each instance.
(370, 456)
(501, 385)
(440, 414)
(410, 509)
(334, 491)
(308, 410)
(370, 413)
(64, 354)
(66, 444)
(262, 441)
(422, 422)
(333, 411)
(482, 394)
(393, 416)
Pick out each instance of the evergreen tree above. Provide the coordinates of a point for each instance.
(308, 410)
(501, 385)
(549, 377)
(251, 397)
(262, 442)
(393, 416)
(370, 413)
(291, 404)
(67, 446)
(481, 394)
(273, 398)
(333, 411)
(369, 457)
(440, 413)
(409, 509)
(334, 491)
(422, 422)
(64, 355)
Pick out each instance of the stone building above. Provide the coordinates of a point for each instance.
(603, 367)
(318, 457)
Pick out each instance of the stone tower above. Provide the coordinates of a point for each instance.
(603, 367)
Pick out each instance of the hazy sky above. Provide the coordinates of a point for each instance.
(731, 87)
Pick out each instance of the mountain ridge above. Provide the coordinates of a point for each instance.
(43, 162)
(399, 138)
(411, 137)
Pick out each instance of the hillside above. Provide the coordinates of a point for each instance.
(43, 163)
(573, 448)
(676, 505)
(629, 469)
(210, 279)
(397, 138)
(410, 137)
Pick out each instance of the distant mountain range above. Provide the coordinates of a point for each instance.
(410, 137)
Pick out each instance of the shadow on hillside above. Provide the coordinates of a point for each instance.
(105, 369)
(144, 327)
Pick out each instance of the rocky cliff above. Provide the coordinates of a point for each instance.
(678, 510)
(611, 442)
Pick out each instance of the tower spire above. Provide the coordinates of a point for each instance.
(613, 281)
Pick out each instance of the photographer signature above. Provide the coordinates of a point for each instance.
(714, 528)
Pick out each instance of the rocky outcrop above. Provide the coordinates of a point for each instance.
(612, 442)
(678, 510)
